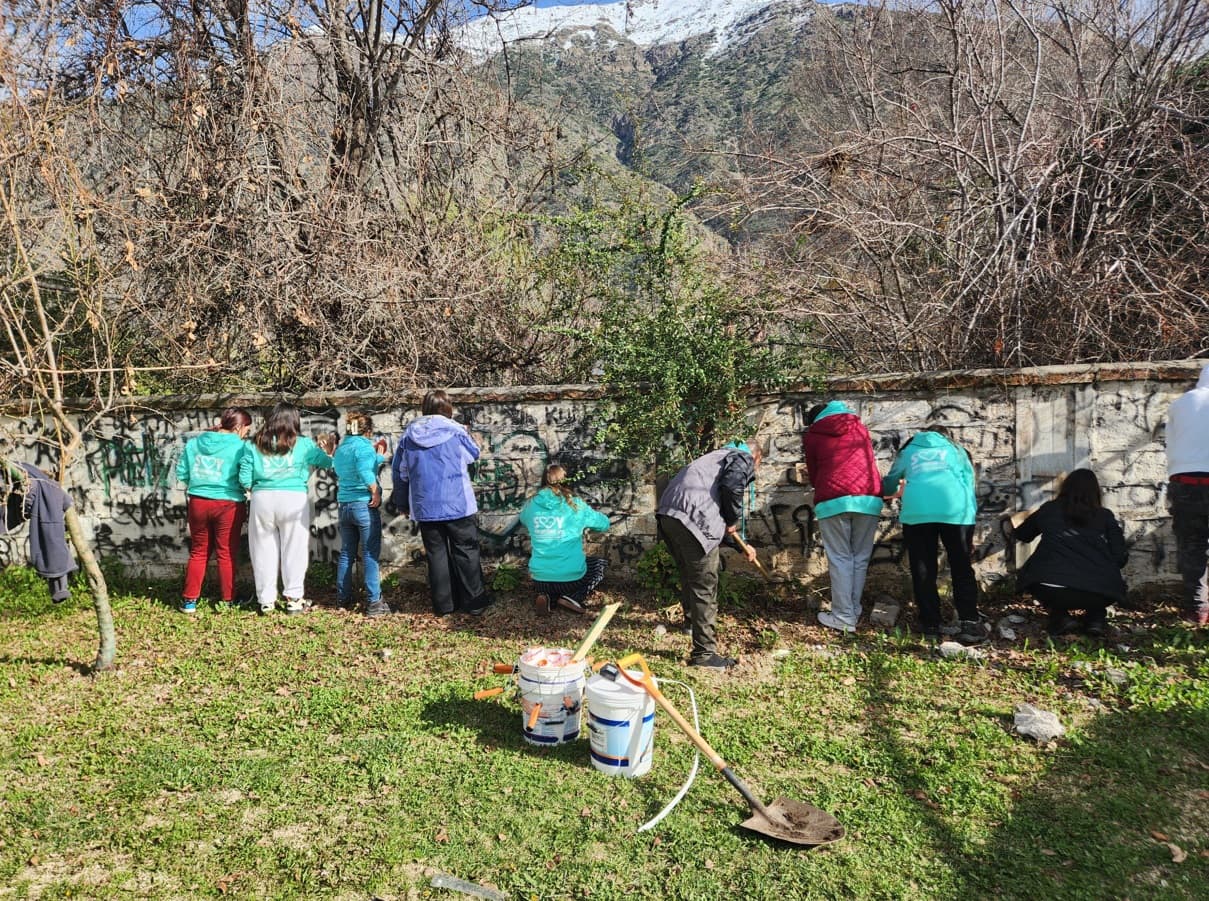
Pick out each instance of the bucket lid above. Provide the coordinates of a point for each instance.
(599, 684)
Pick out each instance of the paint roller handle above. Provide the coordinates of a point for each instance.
(506, 669)
(606, 614)
(488, 693)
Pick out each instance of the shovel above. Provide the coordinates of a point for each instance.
(743, 546)
(790, 821)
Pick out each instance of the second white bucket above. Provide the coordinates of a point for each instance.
(621, 725)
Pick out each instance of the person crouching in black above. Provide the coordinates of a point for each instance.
(1077, 565)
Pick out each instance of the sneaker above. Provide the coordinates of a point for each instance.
(932, 634)
(948, 628)
(971, 631)
(834, 622)
(1096, 628)
(482, 608)
(714, 662)
(569, 603)
(265, 609)
(294, 606)
(188, 606)
(542, 604)
(378, 608)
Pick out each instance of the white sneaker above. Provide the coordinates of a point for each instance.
(833, 622)
(266, 609)
(295, 606)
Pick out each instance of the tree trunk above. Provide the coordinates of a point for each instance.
(100, 591)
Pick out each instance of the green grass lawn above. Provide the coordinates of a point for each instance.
(232, 755)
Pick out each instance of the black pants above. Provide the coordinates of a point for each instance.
(1064, 600)
(923, 555)
(698, 570)
(578, 590)
(1189, 505)
(455, 573)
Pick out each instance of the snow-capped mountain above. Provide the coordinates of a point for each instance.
(643, 22)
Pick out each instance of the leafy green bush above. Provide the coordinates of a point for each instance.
(656, 570)
(679, 340)
(506, 578)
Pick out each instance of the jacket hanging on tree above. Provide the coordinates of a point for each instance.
(44, 506)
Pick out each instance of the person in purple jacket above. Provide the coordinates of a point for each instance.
(432, 486)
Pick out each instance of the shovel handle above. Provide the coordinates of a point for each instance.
(702, 745)
(488, 693)
(649, 685)
(537, 711)
(503, 668)
(745, 547)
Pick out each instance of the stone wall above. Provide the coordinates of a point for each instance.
(1023, 427)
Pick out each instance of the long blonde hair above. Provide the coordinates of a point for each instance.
(555, 478)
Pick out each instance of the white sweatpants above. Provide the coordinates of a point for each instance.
(279, 535)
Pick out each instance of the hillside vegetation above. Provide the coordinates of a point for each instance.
(200, 196)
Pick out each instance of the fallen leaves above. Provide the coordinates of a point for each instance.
(1178, 854)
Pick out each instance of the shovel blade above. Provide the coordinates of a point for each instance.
(795, 822)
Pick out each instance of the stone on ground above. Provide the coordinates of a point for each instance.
(1039, 724)
(885, 613)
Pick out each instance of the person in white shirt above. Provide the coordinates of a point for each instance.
(1188, 493)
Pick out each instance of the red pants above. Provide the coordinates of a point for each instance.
(222, 521)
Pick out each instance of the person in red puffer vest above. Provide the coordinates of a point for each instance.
(847, 503)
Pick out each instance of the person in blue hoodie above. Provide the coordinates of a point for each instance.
(431, 484)
(935, 480)
(359, 498)
(556, 520)
(215, 503)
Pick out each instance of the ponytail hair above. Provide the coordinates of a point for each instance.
(234, 418)
(358, 422)
(555, 478)
(280, 431)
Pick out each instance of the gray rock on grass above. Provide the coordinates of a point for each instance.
(954, 650)
(885, 613)
(1039, 724)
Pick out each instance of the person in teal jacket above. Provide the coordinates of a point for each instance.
(934, 478)
(215, 503)
(276, 469)
(556, 520)
(359, 497)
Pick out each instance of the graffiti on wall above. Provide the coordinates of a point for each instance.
(1020, 439)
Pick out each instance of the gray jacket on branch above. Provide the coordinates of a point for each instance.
(49, 552)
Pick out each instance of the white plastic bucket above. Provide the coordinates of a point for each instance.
(621, 725)
(546, 676)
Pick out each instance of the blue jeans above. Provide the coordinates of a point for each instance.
(360, 527)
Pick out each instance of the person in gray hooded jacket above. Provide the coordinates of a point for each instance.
(700, 509)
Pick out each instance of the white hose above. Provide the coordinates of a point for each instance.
(650, 824)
